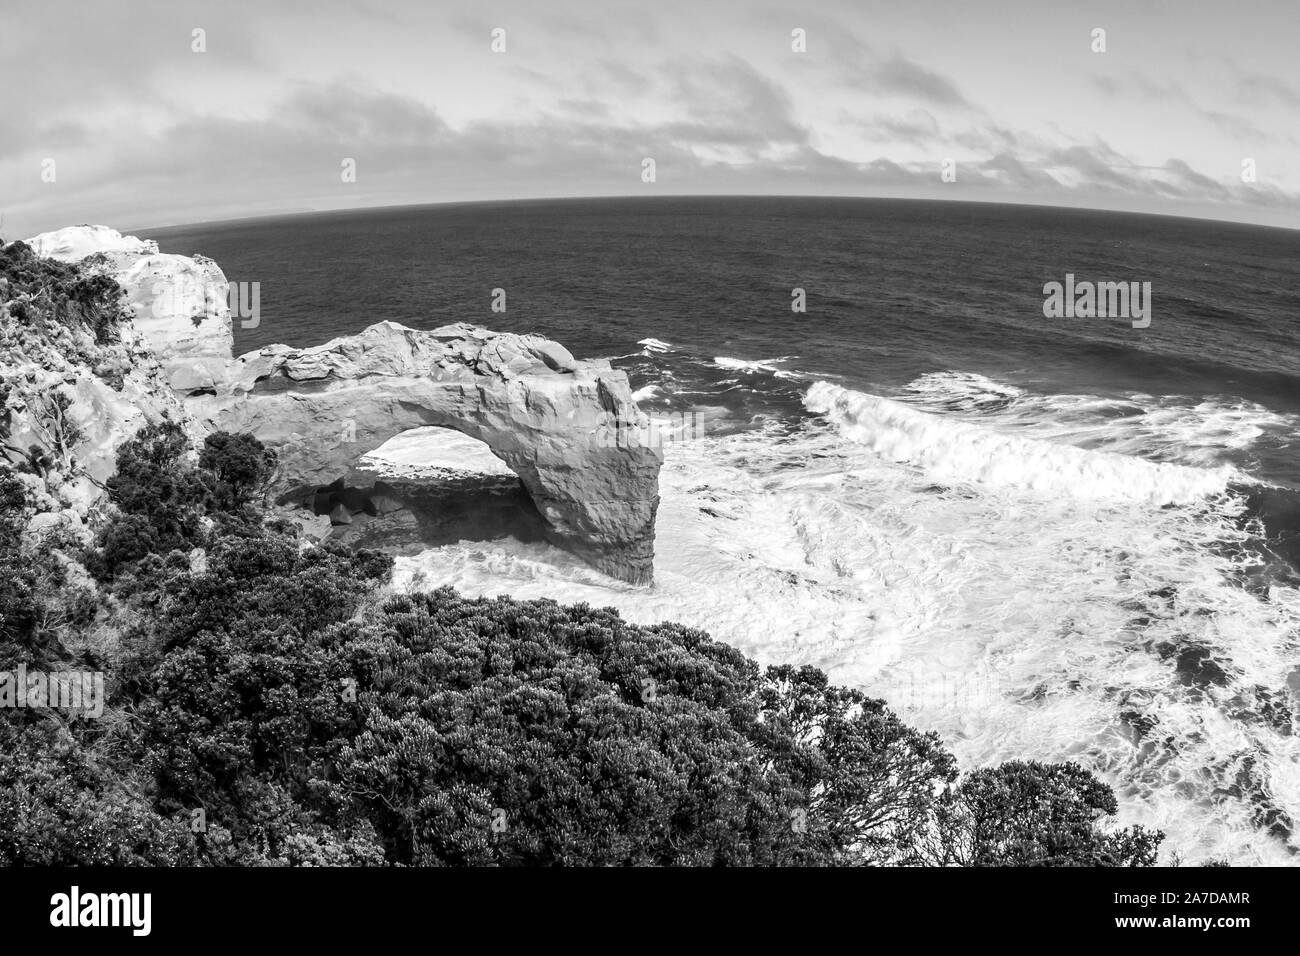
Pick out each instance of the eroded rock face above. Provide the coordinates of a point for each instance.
(178, 303)
(588, 457)
(570, 430)
(68, 400)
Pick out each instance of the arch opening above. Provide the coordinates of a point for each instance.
(425, 487)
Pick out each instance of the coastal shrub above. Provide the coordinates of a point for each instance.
(1035, 814)
(155, 481)
(39, 605)
(432, 729)
(45, 293)
(162, 498)
(237, 685)
(238, 464)
(872, 781)
(58, 808)
(19, 583)
(13, 499)
(58, 804)
(507, 732)
(159, 499)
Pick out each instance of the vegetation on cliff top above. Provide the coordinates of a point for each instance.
(37, 291)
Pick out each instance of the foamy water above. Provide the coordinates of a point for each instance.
(949, 450)
(1150, 427)
(1023, 597)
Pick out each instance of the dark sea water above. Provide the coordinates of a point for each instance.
(896, 289)
(1055, 538)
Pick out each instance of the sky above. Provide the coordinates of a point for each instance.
(111, 115)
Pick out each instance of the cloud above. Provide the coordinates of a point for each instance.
(1007, 170)
(861, 67)
(917, 127)
(143, 129)
(1253, 86)
(1141, 88)
(729, 102)
(901, 76)
(1194, 182)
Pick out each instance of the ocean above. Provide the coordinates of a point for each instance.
(1045, 538)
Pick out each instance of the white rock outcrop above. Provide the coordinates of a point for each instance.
(179, 303)
(74, 400)
(74, 243)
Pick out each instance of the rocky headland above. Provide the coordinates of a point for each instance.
(586, 456)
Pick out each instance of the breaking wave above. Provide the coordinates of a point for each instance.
(950, 450)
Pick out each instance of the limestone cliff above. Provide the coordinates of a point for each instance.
(179, 303)
(77, 379)
(587, 456)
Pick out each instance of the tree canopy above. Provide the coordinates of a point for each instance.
(271, 702)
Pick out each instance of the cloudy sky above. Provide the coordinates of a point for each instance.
(136, 129)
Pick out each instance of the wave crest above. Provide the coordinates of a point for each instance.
(950, 450)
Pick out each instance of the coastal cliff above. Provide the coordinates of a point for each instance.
(569, 429)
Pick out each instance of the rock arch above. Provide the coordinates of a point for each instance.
(588, 457)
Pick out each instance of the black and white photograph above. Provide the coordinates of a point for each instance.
(440, 437)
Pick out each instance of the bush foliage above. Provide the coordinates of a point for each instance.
(270, 704)
(163, 499)
(41, 292)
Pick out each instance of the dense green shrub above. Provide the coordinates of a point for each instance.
(19, 583)
(1035, 814)
(46, 292)
(238, 687)
(239, 466)
(38, 603)
(154, 480)
(589, 740)
(266, 690)
(436, 730)
(57, 808)
(162, 498)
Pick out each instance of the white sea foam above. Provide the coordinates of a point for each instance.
(770, 366)
(964, 391)
(950, 450)
(1169, 428)
(1018, 625)
(645, 393)
(656, 345)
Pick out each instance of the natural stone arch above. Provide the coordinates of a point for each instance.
(587, 456)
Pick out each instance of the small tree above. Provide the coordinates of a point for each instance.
(1034, 814)
(240, 464)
